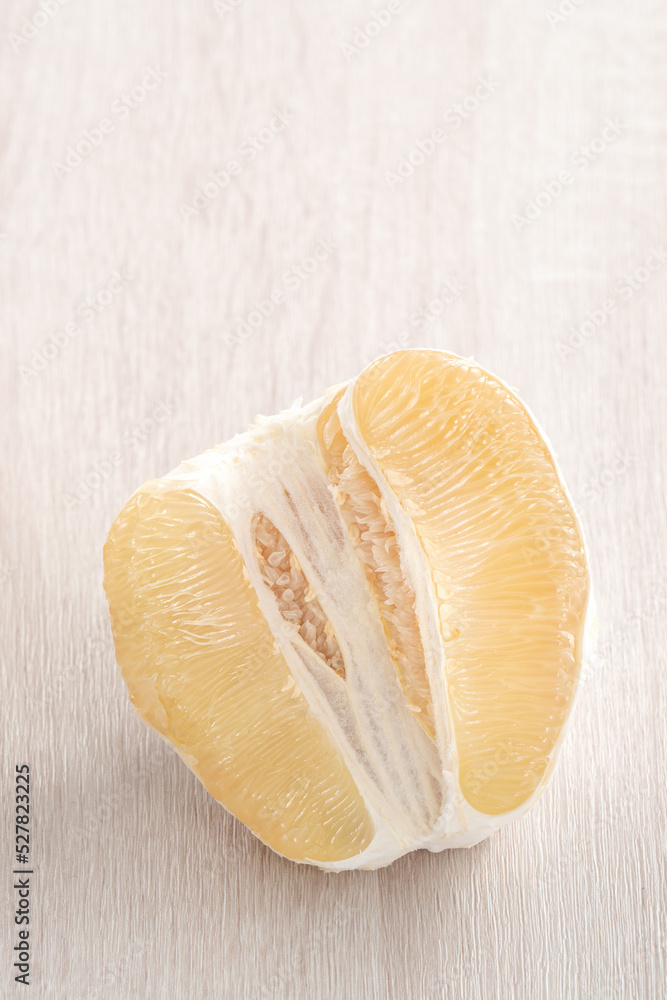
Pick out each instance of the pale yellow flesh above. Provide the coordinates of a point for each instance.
(505, 556)
(203, 669)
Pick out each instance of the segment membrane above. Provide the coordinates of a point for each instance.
(374, 539)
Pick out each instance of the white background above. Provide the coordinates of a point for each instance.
(144, 887)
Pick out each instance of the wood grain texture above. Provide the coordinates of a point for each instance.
(145, 888)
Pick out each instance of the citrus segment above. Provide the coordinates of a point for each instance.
(202, 667)
(504, 553)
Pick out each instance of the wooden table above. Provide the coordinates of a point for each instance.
(486, 178)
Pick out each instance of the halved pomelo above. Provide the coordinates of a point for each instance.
(361, 623)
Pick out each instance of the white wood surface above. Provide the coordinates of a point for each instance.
(144, 887)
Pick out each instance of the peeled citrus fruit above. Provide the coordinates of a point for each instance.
(361, 623)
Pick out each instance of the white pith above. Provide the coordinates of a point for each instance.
(408, 784)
